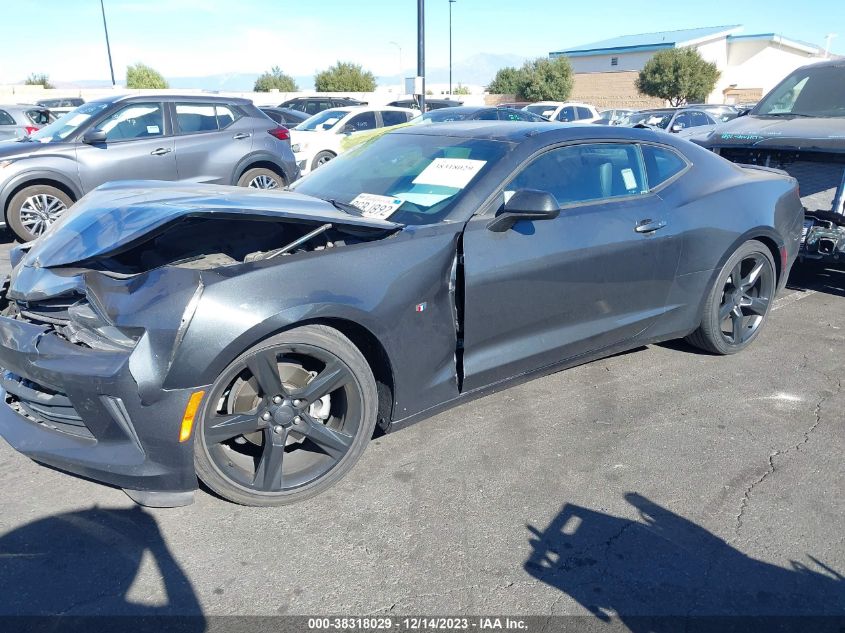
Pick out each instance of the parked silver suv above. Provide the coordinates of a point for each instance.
(191, 138)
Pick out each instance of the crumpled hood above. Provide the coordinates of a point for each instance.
(117, 214)
(800, 133)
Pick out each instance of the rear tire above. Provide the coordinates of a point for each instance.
(287, 419)
(33, 209)
(261, 178)
(739, 301)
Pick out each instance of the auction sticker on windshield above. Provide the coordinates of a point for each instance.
(450, 172)
(373, 206)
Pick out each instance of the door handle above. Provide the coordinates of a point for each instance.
(241, 135)
(161, 151)
(649, 226)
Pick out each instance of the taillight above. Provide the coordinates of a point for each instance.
(280, 133)
(30, 130)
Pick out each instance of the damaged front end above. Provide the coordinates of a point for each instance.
(94, 312)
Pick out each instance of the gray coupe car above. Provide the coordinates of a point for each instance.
(197, 139)
(162, 333)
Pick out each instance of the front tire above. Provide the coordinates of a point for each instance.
(321, 159)
(287, 419)
(261, 178)
(33, 209)
(739, 302)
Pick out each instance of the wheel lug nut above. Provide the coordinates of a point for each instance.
(277, 400)
(298, 403)
(297, 420)
(278, 428)
(266, 415)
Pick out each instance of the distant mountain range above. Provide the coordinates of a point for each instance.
(476, 70)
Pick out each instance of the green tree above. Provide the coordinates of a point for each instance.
(679, 75)
(39, 79)
(461, 90)
(545, 80)
(142, 76)
(506, 81)
(275, 80)
(345, 77)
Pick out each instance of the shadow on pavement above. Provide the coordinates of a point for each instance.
(82, 564)
(825, 278)
(664, 573)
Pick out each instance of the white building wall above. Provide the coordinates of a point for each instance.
(759, 64)
(601, 63)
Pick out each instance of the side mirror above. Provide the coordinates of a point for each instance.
(677, 127)
(525, 204)
(348, 129)
(93, 137)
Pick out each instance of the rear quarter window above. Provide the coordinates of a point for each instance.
(6, 118)
(661, 164)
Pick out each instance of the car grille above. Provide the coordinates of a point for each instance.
(820, 175)
(42, 405)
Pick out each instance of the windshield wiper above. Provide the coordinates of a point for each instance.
(351, 209)
(801, 114)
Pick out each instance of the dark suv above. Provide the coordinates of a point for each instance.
(799, 127)
(192, 138)
(313, 105)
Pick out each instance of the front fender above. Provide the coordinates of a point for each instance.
(38, 174)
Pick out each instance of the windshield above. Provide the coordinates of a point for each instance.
(656, 119)
(441, 115)
(540, 109)
(808, 92)
(409, 178)
(68, 123)
(324, 120)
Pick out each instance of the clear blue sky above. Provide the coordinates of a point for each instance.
(64, 38)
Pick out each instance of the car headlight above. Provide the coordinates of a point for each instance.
(298, 147)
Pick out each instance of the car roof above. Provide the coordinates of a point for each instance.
(172, 97)
(518, 131)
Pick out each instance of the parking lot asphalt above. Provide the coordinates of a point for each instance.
(663, 481)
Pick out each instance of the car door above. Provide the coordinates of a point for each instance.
(138, 146)
(597, 275)
(210, 140)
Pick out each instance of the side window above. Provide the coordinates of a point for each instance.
(661, 164)
(584, 113)
(363, 121)
(137, 120)
(585, 173)
(299, 105)
(683, 119)
(38, 117)
(392, 117)
(196, 117)
(700, 118)
(225, 116)
(6, 118)
(566, 114)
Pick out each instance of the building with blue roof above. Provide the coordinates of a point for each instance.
(750, 65)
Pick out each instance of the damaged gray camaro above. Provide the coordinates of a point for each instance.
(160, 334)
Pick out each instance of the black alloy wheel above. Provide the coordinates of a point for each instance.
(287, 418)
(739, 302)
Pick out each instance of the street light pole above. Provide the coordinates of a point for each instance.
(108, 46)
(421, 50)
(451, 2)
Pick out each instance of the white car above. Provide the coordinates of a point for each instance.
(320, 138)
(568, 111)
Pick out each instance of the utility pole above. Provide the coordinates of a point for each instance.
(421, 51)
(827, 38)
(108, 46)
(451, 2)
